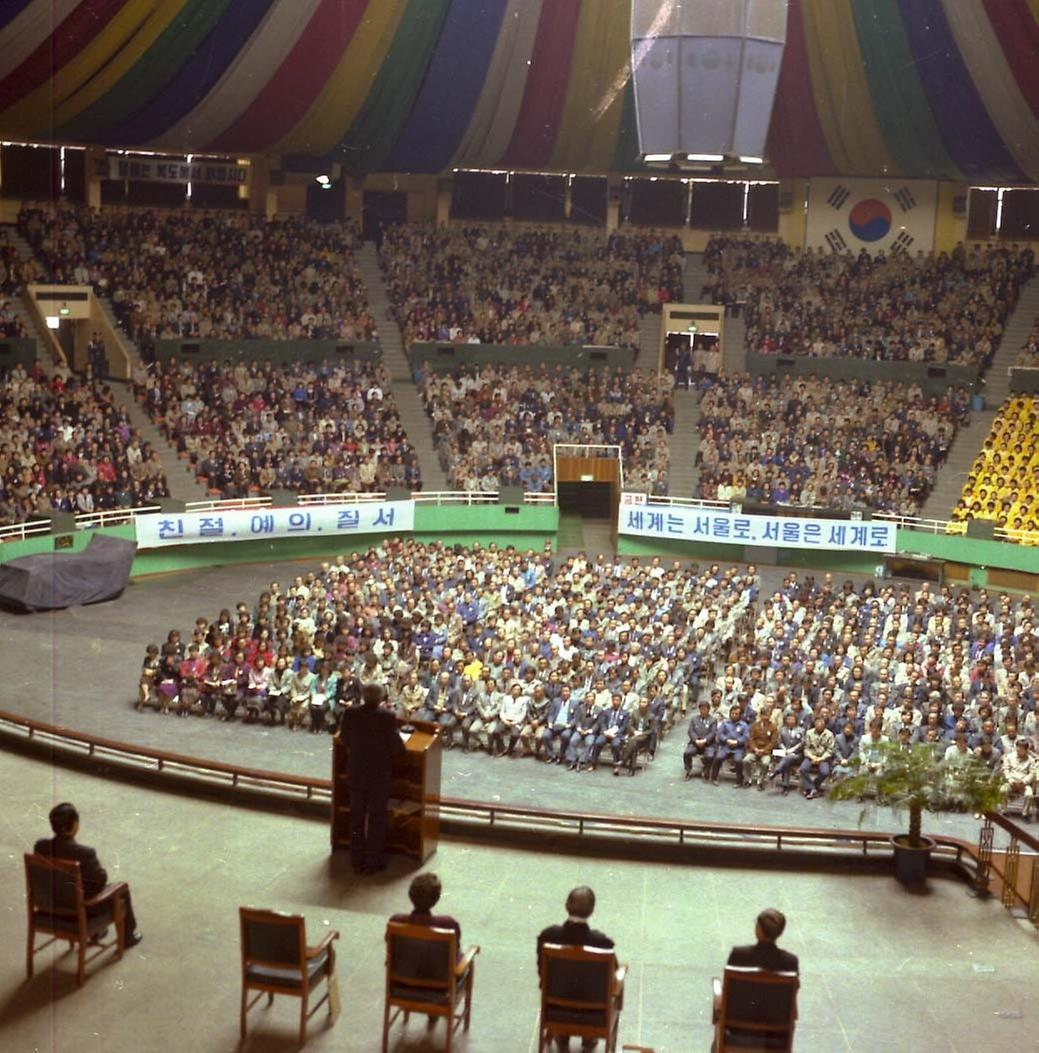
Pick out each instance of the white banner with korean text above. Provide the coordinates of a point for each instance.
(245, 524)
(722, 526)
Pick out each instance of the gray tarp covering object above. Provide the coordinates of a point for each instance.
(66, 579)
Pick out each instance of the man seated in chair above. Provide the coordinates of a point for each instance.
(424, 893)
(575, 932)
(765, 954)
(64, 820)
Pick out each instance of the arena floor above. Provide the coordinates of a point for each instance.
(79, 668)
(881, 970)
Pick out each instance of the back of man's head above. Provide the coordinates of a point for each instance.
(424, 892)
(581, 902)
(771, 923)
(63, 818)
(372, 695)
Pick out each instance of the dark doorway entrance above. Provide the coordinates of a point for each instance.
(593, 500)
(382, 207)
(325, 203)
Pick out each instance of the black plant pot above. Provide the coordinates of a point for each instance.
(911, 863)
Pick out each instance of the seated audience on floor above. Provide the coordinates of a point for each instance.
(495, 646)
(1002, 485)
(67, 446)
(916, 307)
(208, 276)
(253, 426)
(498, 284)
(496, 426)
(811, 441)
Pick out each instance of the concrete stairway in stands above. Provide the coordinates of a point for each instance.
(949, 483)
(129, 345)
(649, 342)
(181, 479)
(683, 442)
(734, 345)
(412, 413)
(694, 274)
(1019, 325)
(996, 388)
(44, 353)
(20, 304)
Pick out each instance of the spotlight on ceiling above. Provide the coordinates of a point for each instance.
(324, 181)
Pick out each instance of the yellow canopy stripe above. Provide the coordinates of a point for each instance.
(841, 91)
(99, 66)
(599, 72)
(339, 101)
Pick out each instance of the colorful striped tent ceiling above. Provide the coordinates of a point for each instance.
(928, 88)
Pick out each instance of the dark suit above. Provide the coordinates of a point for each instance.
(573, 934)
(433, 921)
(372, 742)
(764, 955)
(92, 873)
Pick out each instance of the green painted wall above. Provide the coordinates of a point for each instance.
(442, 357)
(979, 553)
(932, 377)
(18, 351)
(531, 527)
(279, 351)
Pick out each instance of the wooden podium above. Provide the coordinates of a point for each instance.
(414, 819)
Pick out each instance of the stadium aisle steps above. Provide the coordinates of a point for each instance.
(1019, 325)
(996, 387)
(412, 413)
(949, 483)
(19, 303)
(683, 474)
(694, 275)
(649, 342)
(44, 353)
(181, 479)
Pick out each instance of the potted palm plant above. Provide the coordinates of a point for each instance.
(911, 779)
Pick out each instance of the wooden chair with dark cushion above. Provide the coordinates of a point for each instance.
(754, 1010)
(57, 907)
(582, 994)
(277, 960)
(424, 974)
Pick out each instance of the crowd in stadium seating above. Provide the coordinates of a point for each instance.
(812, 441)
(528, 285)
(948, 307)
(256, 426)
(67, 446)
(590, 661)
(496, 427)
(1003, 483)
(213, 276)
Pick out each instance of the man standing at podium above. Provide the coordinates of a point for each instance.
(372, 741)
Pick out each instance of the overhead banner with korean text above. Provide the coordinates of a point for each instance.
(166, 170)
(722, 526)
(249, 524)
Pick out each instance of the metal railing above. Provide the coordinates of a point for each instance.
(466, 816)
(118, 516)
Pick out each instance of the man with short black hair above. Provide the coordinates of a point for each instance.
(64, 820)
(424, 893)
(765, 954)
